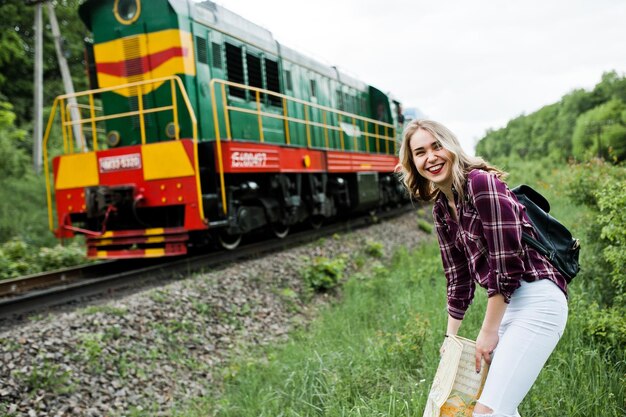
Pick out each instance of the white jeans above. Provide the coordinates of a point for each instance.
(531, 327)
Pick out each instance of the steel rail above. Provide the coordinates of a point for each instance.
(33, 294)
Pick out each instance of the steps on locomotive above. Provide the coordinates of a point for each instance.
(141, 243)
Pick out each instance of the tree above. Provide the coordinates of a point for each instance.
(583, 124)
(601, 132)
(17, 54)
(13, 152)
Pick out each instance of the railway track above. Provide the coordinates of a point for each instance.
(23, 296)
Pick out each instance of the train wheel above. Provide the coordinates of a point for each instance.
(316, 221)
(280, 230)
(229, 242)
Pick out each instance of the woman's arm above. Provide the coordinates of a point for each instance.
(488, 338)
(460, 285)
(501, 217)
(452, 329)
(453, 326)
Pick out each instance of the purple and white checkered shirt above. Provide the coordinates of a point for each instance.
(485, 245)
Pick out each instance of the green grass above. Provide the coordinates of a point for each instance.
(375, 351)
(375, 354)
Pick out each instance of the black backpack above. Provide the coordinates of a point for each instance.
(554, 241)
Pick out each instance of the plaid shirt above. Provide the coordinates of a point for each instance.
(485, 245)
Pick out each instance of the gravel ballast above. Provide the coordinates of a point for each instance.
(155, 349)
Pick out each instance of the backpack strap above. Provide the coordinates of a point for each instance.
(533, 196)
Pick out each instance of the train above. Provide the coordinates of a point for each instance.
(199, 127)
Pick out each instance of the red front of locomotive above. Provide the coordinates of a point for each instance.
(136, 201)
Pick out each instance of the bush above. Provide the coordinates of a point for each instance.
(61, 256)
(602, 187)
(612, 201)
(424, 226)
(407, 345)
(23, 210)
(18, 258)
(607, 326)
(374, 249)
(587, 180)
(601, 132)
(324, 274)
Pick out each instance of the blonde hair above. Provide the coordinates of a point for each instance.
(462, 163)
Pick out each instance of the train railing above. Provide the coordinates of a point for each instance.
(382, 134)
(75, 105)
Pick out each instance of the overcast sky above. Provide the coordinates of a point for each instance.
(472, 65)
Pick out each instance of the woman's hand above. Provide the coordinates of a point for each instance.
(487, 339)
(486, 343)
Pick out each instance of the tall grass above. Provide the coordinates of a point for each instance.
(23, 210)
(375, 352)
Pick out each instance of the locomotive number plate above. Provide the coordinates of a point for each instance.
(120, 163)
(248, 159)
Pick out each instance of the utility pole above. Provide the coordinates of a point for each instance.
(38, 99)
(38, 81)
(65, 75)
(599, 141)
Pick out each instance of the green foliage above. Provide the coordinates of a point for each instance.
(324, 274)
(106, 309)
(602, 188)
(25, 216)
(586, 179)
(91, 350)
(376, 353)
(581, 124)
(374, 249)
(407, 345)
(49, 377)
(60, 256)
(424, 226)
(612, 204)
(19, 258)
(17, 58)
(13, 152)
(602, 132)
(606, 325)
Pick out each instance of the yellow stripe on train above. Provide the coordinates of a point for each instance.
(138, 47)
(76, 171)
(165, 160)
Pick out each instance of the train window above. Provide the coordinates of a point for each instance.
(127, 11)
(339, 100)
(234, 69)
(202, 50)
(272, 82)
(313, 88)
(255, 73)
(288, 80)
(216, 50)
(347, 102)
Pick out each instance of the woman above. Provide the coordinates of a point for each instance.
(479, 224)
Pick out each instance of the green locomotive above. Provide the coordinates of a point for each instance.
(200, 123)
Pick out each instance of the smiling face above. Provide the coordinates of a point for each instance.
(431, 159)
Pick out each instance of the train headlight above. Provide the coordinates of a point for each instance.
(171, 130)
(113, 138)
(127, 11)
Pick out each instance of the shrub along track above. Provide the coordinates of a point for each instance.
(150, 349)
